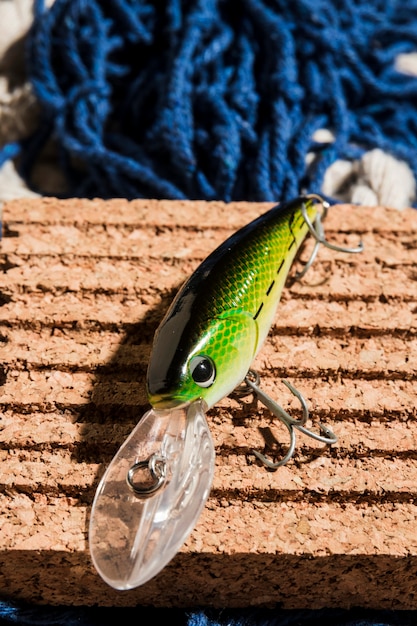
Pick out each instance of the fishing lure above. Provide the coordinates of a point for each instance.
(154, 489)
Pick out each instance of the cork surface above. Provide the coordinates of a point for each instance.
(83, 288)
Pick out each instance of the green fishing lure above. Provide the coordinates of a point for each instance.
(222, 315)
(154, 489)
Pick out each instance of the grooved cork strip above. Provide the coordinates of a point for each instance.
(83, 287)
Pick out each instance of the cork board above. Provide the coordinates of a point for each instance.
(84, 285)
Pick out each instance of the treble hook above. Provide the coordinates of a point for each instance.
(251, 383)
(317, 231)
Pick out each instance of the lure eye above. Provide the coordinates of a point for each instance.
(202, 370)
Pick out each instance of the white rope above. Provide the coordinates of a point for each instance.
(377, 179)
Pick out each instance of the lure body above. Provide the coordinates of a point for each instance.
(223, 313)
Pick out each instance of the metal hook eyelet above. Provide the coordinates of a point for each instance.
(157, 470)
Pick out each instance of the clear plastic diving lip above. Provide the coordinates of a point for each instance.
(151, 495)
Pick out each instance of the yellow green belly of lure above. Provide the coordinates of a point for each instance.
(152, 493)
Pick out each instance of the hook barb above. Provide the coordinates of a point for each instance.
(326, 436)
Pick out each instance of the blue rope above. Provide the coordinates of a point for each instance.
(9, 151)
(200, 99)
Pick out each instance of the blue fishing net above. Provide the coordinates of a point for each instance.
(147, 616)
(213, 99)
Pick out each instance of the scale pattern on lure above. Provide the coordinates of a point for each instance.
(221, 316)
(154, 489)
